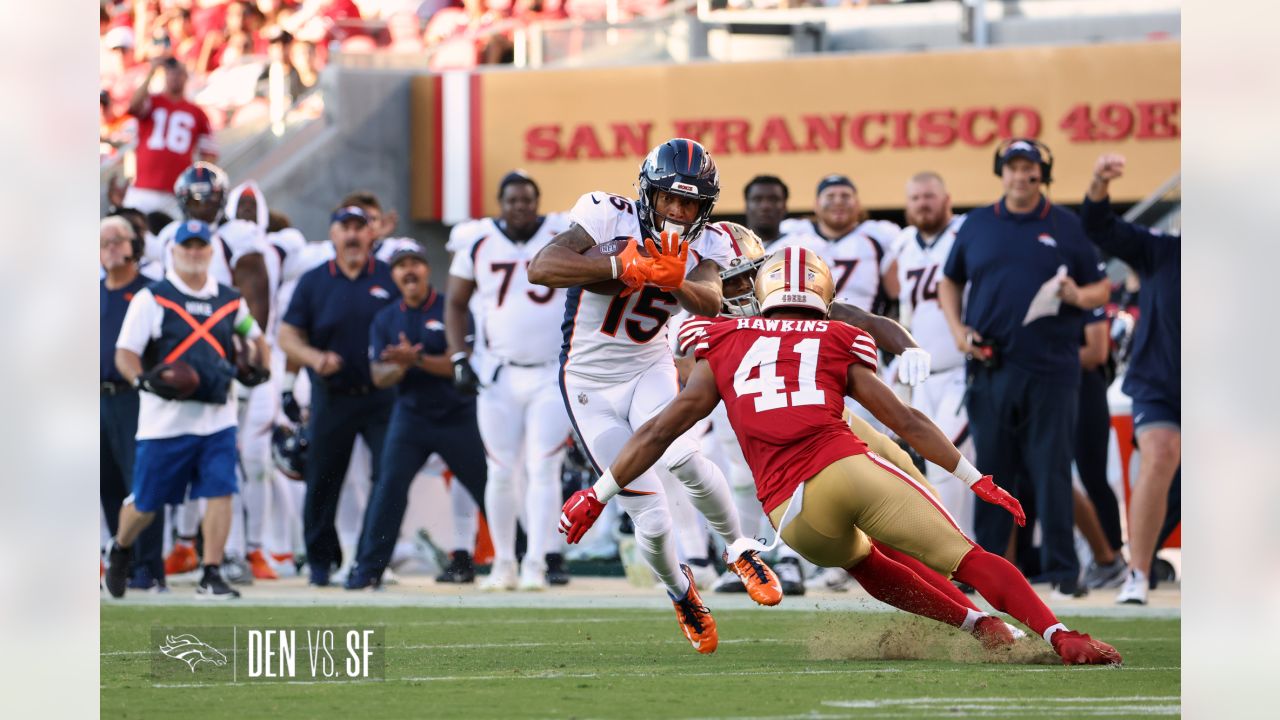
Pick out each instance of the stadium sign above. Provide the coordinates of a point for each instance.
(878, 118)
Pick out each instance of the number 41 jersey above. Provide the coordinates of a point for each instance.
(616, 338)
(783, 384)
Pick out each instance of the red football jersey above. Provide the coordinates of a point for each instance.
(169, 133)
(783, 384)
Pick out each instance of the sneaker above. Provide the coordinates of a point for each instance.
(236, 571)
(1079, 649)
(1105, 576)
(557, 573)
(214, 587)
(993, 633)
(1068, 589)
(143, 579)
(762, 584)
(1134, 591)
(460, 569)
(533, 575)
(182, 559)
(117, 575)
(358, 579)
(703, 572)
(832, 580)
(694, 617)
(729, 582)
(791, 575)
(260, 567)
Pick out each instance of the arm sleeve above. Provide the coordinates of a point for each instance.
(691, 336)
(299, 312)
(246, 324)
(862, 347)
(141, 323)
(1131, 243)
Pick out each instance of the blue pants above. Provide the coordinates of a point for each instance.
(411, 439)
(1024, 431)
(335, 422)
(117, 426)
(168, 470)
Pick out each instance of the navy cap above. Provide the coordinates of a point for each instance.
(1022, 148)
(349, 212)
(193, 230)
(835, 180)
(407, 252)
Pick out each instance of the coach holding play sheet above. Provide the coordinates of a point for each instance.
(1031, 275)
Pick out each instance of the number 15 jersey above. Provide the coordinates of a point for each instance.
(783, 383)
(616, 338)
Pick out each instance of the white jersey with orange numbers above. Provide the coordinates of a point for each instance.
(919, 273)
(520, 320)
(617, 338)
(857, 259)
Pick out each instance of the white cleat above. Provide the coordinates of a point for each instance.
(832, 580)
(533, 576)
(1134, 591)
(502, 576)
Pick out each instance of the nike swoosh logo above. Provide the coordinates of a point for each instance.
(697, 645)
(1139, 418)
(594, 200)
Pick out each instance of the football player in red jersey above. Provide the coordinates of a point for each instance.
(783, 377)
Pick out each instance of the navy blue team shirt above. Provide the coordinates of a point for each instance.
(1007, 256)
(335, 312)
(1155, 368)
(112, 305)
(428, 395)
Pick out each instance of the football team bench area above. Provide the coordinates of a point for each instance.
(609, 650)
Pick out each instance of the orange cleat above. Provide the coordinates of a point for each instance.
(695, 619)
(1077, 648)
(262, 569)
(993, 633)
(762, 585)
(182, 559)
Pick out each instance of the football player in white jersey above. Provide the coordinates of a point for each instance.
(853, 246)
(616, 370)
(922, 249)
(519, 405)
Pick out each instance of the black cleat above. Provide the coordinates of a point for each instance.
(117, 575)
(790, 575)
(460, 570)
(557, 573)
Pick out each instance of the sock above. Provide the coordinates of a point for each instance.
(928, 574)
(1005, 588)
(895, 584)
(971, 619)
(500, 497)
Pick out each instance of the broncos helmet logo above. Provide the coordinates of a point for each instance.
(191, 650)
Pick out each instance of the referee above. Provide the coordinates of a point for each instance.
(1025, 389)
(408, 350)
(326, 330)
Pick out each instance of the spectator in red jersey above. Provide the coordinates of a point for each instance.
(172, 133)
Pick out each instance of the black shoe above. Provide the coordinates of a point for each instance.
(557, 573)
(213, 587)
(117, 576)
(790, 575)
(460, 570)
(1070, 587)
(357, 579)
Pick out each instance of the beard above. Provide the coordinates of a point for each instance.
(187, 266)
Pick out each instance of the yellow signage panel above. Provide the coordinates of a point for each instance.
(878, 118)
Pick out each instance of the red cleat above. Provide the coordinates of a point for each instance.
(993, 633)
(1077, 648)
(182, 559)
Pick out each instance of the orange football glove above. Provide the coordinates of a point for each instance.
(632, 268)
(988, 490)
(667, 263)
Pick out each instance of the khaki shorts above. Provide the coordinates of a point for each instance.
(864, 495)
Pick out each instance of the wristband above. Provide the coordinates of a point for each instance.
(606, 487)
(289, 379)
(967, 472)
(613, 265)
(457, 356)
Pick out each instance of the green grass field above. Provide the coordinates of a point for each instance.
(559, 663)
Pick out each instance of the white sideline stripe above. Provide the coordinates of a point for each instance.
(740, 673)
(481, 646)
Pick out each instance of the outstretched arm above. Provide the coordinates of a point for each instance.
(888, 334)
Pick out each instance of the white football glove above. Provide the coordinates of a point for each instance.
(913, 366)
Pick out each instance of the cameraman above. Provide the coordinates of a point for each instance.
(1024, 356)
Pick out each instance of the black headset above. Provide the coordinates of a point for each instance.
(1046, 157)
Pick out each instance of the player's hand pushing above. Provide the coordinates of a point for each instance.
(988, 490)
(667, 261)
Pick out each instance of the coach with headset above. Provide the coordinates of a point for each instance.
(1031, 275)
